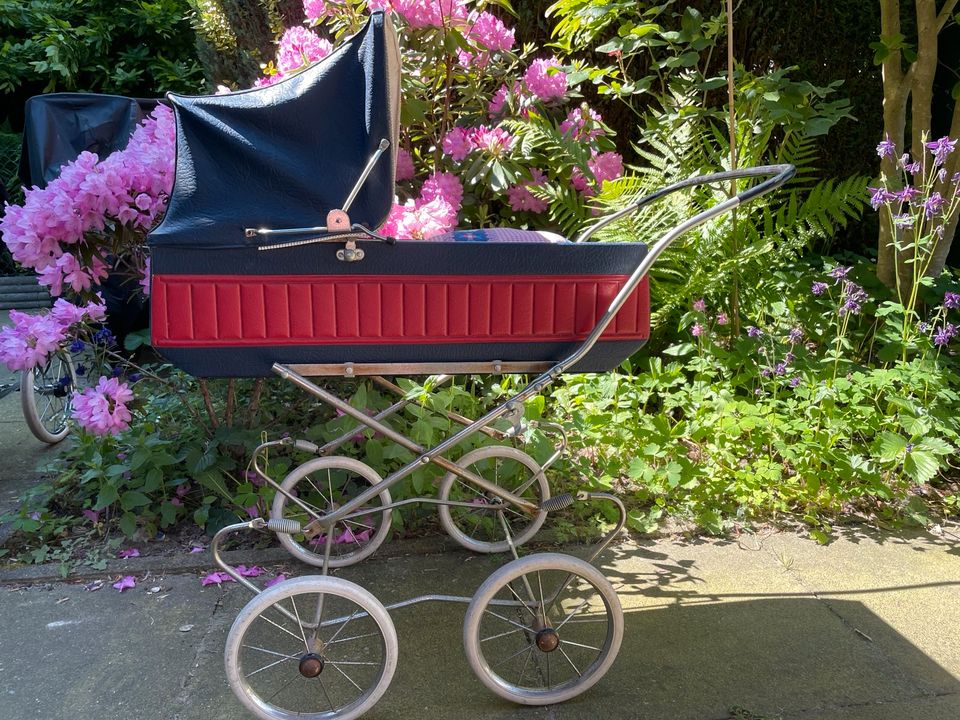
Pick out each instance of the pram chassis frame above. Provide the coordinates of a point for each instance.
(518, 571)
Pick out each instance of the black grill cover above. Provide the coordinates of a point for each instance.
(283, 155)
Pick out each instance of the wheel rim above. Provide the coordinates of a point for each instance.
(288, 665)
(544, 633)
(480, 527)
(48, 397)
(324, 485)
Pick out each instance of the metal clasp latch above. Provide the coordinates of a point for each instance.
(350, 252)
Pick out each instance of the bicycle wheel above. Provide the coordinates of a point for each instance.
(543, 629)
(45, 397)
(478, 528)
(325, 484)
(311, 648)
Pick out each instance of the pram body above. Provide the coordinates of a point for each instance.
(246, 282)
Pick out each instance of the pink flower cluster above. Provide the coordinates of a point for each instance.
(545, 79)
(489, 34)
(102, 410)
(460, 142)
(428, 13)
(520, 197)
(603, 166)
(583, 124)
(31, 338)
(433, 213)
(50, 232)
(298, 47)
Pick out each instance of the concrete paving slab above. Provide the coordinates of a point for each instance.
(892, 589)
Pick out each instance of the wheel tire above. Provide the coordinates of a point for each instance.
(332, 589)
(531, 568)
(282, 505)
(45, 400)
(449, 515)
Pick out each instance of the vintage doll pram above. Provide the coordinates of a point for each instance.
(246, 282)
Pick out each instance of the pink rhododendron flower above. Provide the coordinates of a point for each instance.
(495, 141)
(423, 220)
(490, 32)
(606, 166)
(196, 549)
(216, 578)
(457, 144)
(582, 123)
(445, 186)
(102, 410)
(274, 580)
(430, 13)
(545, 80)
(48, 233)
(405, 170)
(128, 553)
(520, 197)
(318, 9)
(91, 515)
(127, 581)
(298, 47)
(29, 340)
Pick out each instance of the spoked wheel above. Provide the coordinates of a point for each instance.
(312, 648)
(479, 527)
(45, 397)
(326, 484)
(543, 629)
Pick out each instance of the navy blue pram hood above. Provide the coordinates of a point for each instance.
(283, 155)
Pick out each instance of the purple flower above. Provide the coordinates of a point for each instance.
(196, 549)
(932, 204)
(818, 288)
(274, 580)
(941, 148)
(722, 319)
(128, 553)
(796, 335)
(77, 346)
(944, 335)
(904, 220)
(789, 358)
(765, 372)
(794, 381)
(696, 330)
(839, 272)
(878, 196)
(951, 300)
(91, 515)
(781, 368)
(754, 332)
(886, 148)
(907, 194)
(700, 305)
(127, 581)
(923, 327)
(908, 447)
(854, 297)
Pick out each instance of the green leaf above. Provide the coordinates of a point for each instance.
(128, 524)
(892, 445)
(133, 499)
(107, 496)
(921, 466)
(680, 349)
(153, 480)
(136, 339)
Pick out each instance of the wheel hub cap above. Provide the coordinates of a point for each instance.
(548, 640)
(311, 665)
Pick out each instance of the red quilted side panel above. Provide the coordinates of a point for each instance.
(238, 310)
